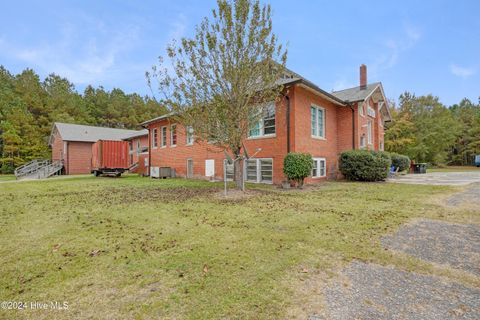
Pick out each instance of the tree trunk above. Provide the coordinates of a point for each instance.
(238, 170)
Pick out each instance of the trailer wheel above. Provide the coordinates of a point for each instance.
(118, 174)
(96, 173)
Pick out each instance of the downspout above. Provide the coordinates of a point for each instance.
(149, 151)
(353, 125)
(288, 123)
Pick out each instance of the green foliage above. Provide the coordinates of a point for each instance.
(364, 165)
(297, 166)
(400, 161)
(422, 128)
(467, 143)
(29, 106)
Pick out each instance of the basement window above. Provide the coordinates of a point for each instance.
(319, 168)
(259, 170)
(266, 125)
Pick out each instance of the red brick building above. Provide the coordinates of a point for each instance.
(305, 119)
(72, 144)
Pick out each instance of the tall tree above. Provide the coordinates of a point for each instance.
(427, 128)
(220, 78)
(467, 144)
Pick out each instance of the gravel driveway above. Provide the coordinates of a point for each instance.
(440, 178)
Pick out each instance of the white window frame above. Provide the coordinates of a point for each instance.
(163, 136)
(173, 128)
(370, 132)
(361, 109)
(154, 138)
(317, 162)
(363, 141)
(258, 170)
(189, 135)
(261, 124)
(317, 134)
(138, 146)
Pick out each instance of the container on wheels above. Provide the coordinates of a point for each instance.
(109, 157)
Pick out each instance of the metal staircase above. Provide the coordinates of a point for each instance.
(38, 169)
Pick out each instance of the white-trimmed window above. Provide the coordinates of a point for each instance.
(163, 137)
(381, 146)
(266, 125)
(173, 135)
(319, 168)
(189, 134)
(362, 141)
(361, 108)
(369, 131)
(259, 170)
(318, 121)
(154, 138)
(138, 146)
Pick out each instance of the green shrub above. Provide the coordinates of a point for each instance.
(363, 165)
(298, 166)
(400, 161)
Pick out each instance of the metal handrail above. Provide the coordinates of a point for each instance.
(38, 169)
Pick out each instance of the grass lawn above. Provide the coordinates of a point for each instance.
(454, 169)
(135, 248)
(7, 177)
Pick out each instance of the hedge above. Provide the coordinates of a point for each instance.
(297, 166)
(363, 165)
(400, 161)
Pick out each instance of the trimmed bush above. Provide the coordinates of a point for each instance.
(297, 166)
(400, 161)
(363, 165)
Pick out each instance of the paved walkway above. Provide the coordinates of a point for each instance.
(440, 178)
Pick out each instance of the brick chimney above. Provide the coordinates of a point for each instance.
(363, 77)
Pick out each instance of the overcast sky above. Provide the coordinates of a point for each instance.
(419, 46)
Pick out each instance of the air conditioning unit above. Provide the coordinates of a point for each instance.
(155, 172)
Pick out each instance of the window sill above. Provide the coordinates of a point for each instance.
(173, 146)
(318, 177)
(318, 138)
(189, 144)
(268, 136)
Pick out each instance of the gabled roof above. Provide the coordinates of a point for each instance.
(165, 116)
(82, 133)
(295, 78)
(356, 94)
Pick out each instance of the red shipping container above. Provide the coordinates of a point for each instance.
(109, 156)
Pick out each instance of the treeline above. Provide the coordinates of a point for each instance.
(29, 107)
(428, 131)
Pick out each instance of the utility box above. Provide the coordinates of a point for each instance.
(162, 172)
(109, 157)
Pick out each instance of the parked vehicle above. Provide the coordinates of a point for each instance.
(477, 160)
(109, 157)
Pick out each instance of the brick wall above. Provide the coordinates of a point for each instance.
(79, 157)
(304, 142)
(57, 147)
(338, 138)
